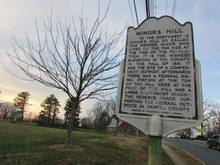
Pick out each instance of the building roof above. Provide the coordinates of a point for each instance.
(113, 123)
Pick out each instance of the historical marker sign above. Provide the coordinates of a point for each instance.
(159, 71)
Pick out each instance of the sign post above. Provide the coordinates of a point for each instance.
(155, 150)
(159, 89)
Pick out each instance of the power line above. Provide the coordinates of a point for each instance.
(136, 12)
(144, 7)
(174, 7)
(152, 7)
(131, 11)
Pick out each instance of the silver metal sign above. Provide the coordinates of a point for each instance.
(157, 77)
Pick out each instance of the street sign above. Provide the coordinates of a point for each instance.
(201, 130)
(159, 88)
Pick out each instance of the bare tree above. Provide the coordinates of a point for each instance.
(216, 118)
(88, 119)
(112, 105)
(76, 61)
(7, 109)
(208, 107)
(102, 115)
(184, 133)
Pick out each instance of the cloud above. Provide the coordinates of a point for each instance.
(9, 87)
(198, 6)
(206, 57)
(202, 6)
(212, 75)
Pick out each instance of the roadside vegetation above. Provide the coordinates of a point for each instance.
(30, 144)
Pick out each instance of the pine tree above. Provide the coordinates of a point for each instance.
(51, 107)
(21, 101)
(69, 104)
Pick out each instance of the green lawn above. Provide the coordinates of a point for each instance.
(29, 144)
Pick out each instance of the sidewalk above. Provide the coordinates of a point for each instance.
(177, 159)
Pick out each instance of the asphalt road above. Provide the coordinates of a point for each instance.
(198, 149)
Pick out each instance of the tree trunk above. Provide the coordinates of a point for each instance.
(49, 118)
(5, 115)
(116, 127)
(53, 117)
(22, 118)
(70, 124)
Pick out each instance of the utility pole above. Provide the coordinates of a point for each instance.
(155, 142)
(147, 8)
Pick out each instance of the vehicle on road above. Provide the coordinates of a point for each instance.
(214, 141)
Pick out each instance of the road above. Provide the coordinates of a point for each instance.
(198, 149)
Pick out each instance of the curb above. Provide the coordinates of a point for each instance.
(176, 157)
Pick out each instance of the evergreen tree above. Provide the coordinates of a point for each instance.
(55, 109)
(41, 114)
(21, 101)
(69, 104)
(51, 107)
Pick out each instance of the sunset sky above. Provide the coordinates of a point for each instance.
(18, 18)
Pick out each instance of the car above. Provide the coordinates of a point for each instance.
(214, 141)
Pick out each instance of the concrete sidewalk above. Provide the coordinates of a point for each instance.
(177, 159)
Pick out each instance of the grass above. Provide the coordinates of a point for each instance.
(29, 144)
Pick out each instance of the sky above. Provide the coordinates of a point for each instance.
(19, 17)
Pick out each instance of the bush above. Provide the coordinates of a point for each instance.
(199, 137)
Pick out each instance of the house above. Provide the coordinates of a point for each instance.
(122, 126)
(112, 125)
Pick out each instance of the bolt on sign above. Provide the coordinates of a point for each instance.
(159, 76)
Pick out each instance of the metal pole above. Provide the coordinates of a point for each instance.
(155, 140)
(154, 152)
(146, 2)
(148, 8)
